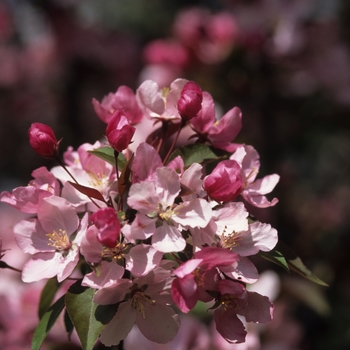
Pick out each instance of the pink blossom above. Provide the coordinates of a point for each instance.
(225, 182)
(198, 275)
(220, 133)
(156, 199)
(146, 162)
(27, 198)
(89, 171)
(48, 238)
(160, 103)
(236, 234)
(144, 301)
(193, 335)
(106, 261)
(119, 131)
(254, 190)
(259, 236)
(43, 140)
(235, 299)
(108, 226)
(190, 101)
(123, 99)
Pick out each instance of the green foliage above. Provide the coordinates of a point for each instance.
(276, 257)
(47, 295)
(47, 321)
(81, 310)
(285, 257)
(106, 153)
(196, 153)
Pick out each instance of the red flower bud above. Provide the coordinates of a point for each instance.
(190, 101)
(108, 225)
(225, 182)
(119, 131)
(43, 140)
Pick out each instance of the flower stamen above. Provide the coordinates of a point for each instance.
(115, 253)
(59, 240)
(140, 301)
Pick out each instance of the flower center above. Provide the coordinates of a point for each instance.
(252, 173)
(228, 301)
(230, 240)
(165, 212)
(59, 240)
(198, 277)
(115, 253)
(140, 301)
(98, 180)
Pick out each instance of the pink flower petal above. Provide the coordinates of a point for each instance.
(167, 239)
(120, 325)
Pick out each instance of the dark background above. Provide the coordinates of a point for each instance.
(288, 69)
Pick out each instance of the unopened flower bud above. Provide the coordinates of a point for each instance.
(43, 140)
(119, 131)
(225, 182)
(108, 225)
(190, 101)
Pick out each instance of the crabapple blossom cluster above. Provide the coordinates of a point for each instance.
(152, 218)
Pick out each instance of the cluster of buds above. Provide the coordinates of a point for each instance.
(151, 221)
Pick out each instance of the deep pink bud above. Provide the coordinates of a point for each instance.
(190, 101)
(119, 131)
(108, 226)
(43, 140)
(225, 182)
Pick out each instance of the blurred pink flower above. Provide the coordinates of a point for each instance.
(166, 52)
(210, 36)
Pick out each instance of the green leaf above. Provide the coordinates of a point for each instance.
(105, 313)
(81, 310)
(297, 266)
(47, 295)
(196, 153)
(47, 321)
(276, 257)
(106, 153)
(68, 324)
(294, 263)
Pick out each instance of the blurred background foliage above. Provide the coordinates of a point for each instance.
(286, 64)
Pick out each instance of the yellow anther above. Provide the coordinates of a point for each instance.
(230, 240)
(115, 253)
(59, 240)
(228, 301)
